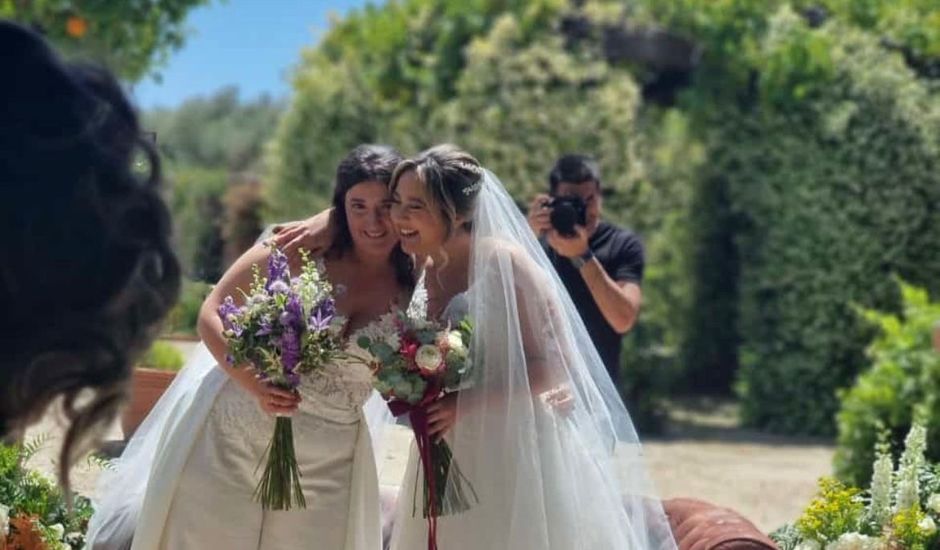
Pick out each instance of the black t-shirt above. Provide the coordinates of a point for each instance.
(620, 253)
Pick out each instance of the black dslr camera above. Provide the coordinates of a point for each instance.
(567, 212)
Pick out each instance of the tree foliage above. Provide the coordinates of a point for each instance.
(132, 38)
(794, 175)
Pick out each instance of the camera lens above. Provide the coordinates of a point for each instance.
(564, 216)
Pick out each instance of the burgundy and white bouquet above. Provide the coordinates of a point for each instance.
(413, 363)
(287, 327)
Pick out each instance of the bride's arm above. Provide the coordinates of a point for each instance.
(239, 276)
(315, 234)
(543, 351)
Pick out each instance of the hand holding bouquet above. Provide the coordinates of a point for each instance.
(288, 327)
(415, 362)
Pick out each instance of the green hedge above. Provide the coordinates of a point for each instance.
(198, 216)
(184, 316)
(792, 179)
(163, 356)
(903, 381)
(832, 174)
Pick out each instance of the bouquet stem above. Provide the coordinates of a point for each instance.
(453, 493)
(279, 487)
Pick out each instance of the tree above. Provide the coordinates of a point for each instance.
(219, 131)
(131, 38)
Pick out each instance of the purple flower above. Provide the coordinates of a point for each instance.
(322, 315)
(290, 351)
(293, 379)
(278, 270)
(229, 314)
(293, 314)
(265, 328)
(277, 287)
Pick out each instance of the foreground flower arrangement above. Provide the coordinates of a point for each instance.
(34, 512)
(900, 510)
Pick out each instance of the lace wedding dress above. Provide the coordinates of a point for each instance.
(198, 453)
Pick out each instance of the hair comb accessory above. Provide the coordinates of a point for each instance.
(473, 187)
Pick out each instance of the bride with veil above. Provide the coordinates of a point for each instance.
(546, 476)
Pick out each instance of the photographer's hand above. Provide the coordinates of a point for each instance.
(569, 247)
(539, 215)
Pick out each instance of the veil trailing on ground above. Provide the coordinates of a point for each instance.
(151, 462)
(547, 476)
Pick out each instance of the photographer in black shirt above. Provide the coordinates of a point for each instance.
(600, 264)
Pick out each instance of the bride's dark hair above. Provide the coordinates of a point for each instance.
(86, 267)
(453, 178)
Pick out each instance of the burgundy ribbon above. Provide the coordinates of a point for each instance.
(418, 415)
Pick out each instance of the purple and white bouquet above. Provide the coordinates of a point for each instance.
(287, 327)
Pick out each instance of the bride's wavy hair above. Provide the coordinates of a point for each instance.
(86, 266)
(366, 162)
(453, 178)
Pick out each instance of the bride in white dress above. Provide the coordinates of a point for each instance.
(541, 434)
(187, 478)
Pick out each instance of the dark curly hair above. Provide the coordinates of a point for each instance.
(366, 162)
(86, 267)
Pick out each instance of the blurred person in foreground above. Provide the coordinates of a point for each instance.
(86, 267)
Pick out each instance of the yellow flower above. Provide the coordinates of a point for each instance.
(76, 26)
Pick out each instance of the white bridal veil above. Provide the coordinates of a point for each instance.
(546, 478)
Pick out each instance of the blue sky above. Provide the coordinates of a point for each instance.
(249, 43)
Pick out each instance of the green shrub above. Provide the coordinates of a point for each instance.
(184, 316)
(163, 356)
(900, 509)
(198, 215)
(904, 377)
(243, 217)
(26, 492)
(831, 197)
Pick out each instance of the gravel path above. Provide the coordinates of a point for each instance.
(768, 479)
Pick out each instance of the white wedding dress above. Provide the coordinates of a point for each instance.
(186, 479)
(546, 478)
(213, 503)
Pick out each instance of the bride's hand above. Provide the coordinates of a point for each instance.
(272, 399)
(561, 400)
(313, 234)
(442, 415)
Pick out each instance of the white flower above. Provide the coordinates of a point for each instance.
(455, 341)
(912, 459)
(809, 545)
(4, 520)
(420, 323)
(933, 503)
(59, 530)
(429, 358)
(881, 488)
(855, 541)
(927, 525)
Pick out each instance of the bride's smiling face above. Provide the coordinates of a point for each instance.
(367, 211)
(417, 219)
